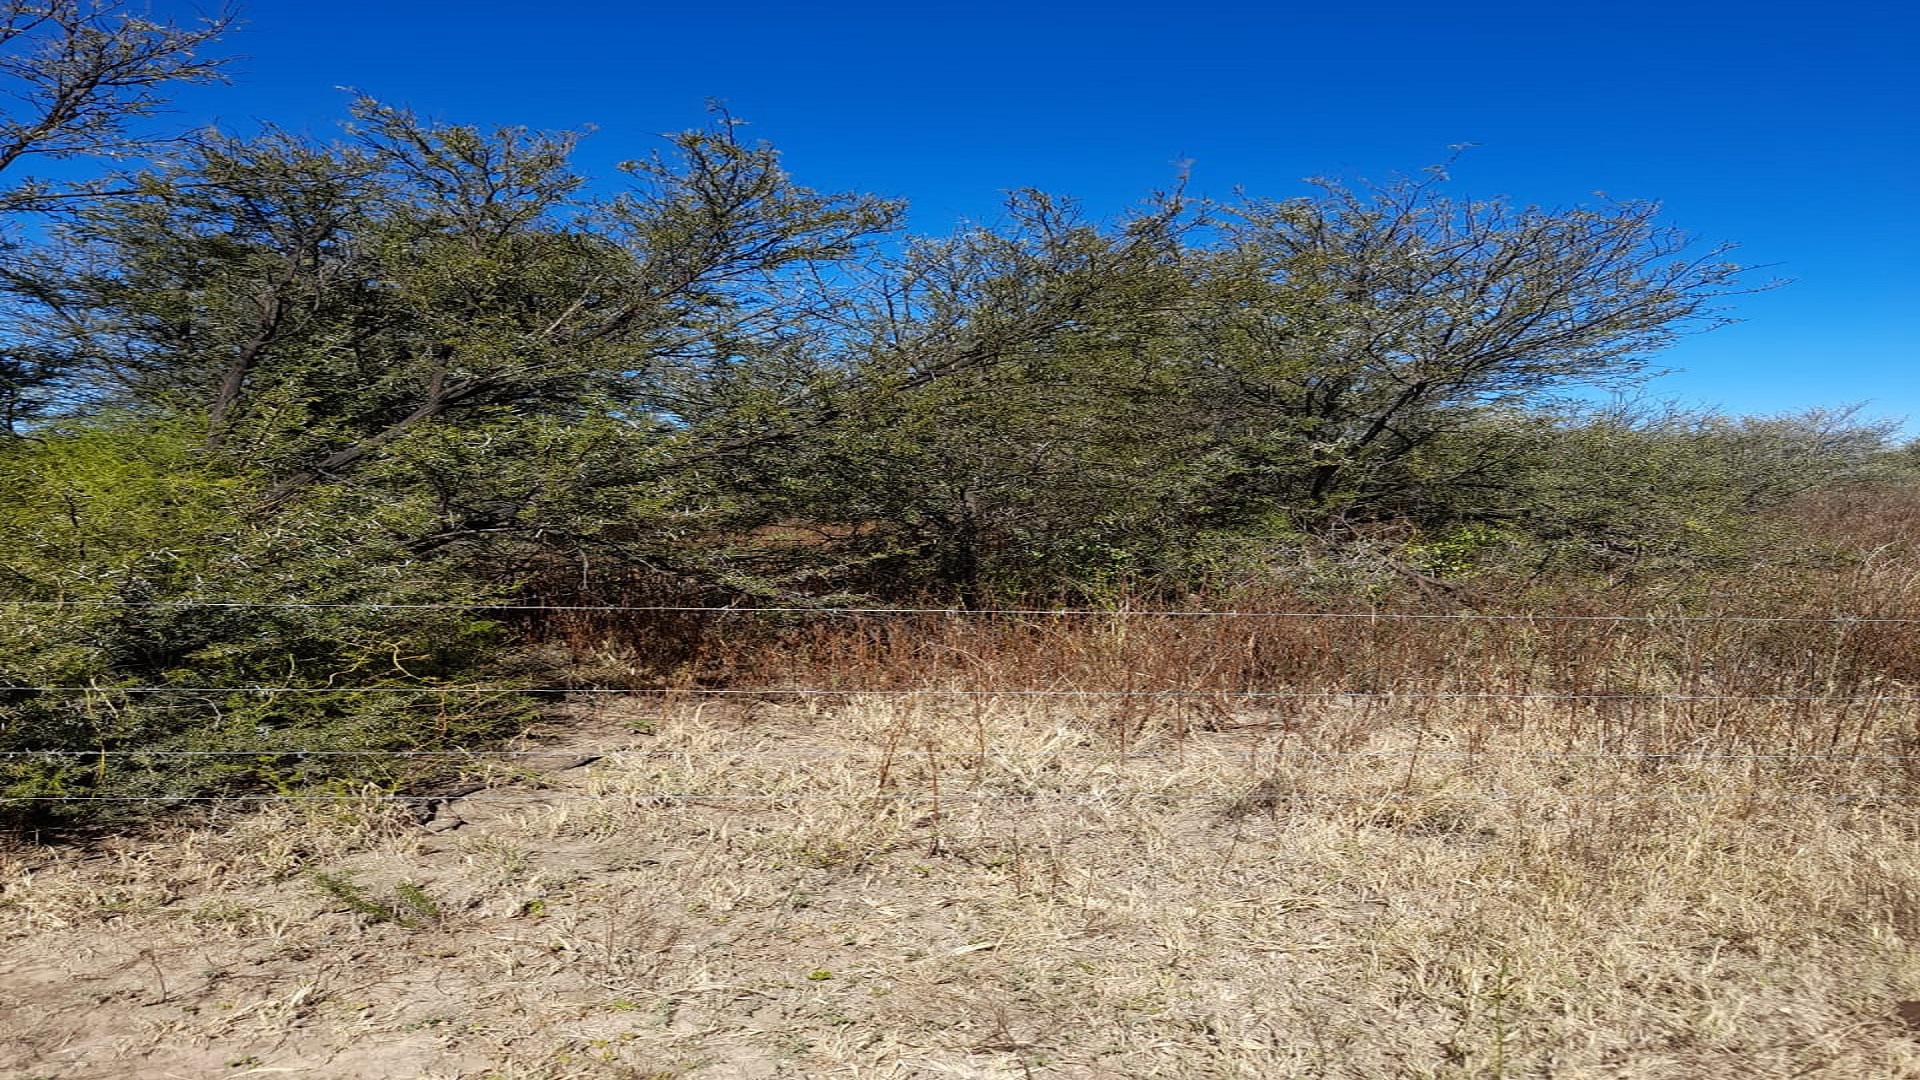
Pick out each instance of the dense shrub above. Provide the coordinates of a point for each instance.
(108, 535)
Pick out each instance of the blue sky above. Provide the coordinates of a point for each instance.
(1792, 131)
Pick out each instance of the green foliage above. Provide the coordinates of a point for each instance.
(1459, 549)
(1628, 491)
(423, 367)
(112, 515)
(79, 75)
(411, 907)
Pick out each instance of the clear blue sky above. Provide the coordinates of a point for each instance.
(1790, 130)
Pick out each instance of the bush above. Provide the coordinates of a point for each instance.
(110, 533)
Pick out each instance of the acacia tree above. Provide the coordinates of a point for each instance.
(1049, 402)
(1053, 402)
(1346, 331)
(76, 77)
(994, 426)
(429, 314)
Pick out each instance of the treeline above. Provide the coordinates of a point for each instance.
(437, 339)
(431, 363)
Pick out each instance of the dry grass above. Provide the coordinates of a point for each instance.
(1435, 897)
(870, 885)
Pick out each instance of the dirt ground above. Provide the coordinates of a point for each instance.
(884, 889)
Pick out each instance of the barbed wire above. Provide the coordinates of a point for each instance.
(1849, 619)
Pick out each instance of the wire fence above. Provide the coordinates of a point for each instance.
(1090, 798)
(1216, 694)
(1062, 612)
(1015, 692)
(912, 751)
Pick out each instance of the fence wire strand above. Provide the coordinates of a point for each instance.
(924, 691)
(908, 754)
(1177, 613)
(1276, 798)
(1264, 797)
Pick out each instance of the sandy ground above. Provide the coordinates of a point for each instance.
(880, 889)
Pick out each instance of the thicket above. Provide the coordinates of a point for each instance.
(427, 363)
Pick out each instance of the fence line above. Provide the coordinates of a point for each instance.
(910, 753)
(817, 691)
(1846, 619)
(1264, 797)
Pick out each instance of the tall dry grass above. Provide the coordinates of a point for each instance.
(1805, 653)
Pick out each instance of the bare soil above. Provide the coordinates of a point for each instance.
(881, 889)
